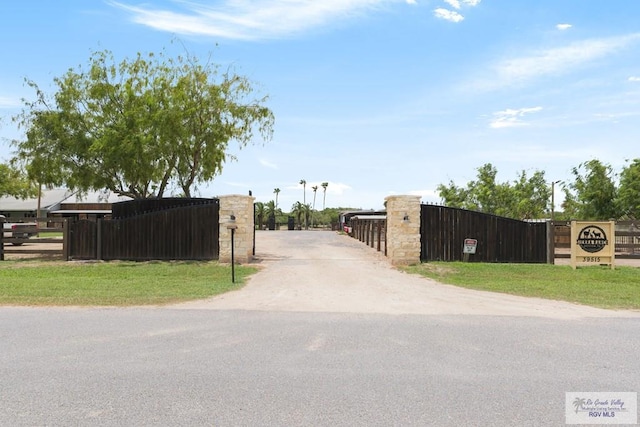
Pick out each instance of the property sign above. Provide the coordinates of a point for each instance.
(470, 246)
(592, 242)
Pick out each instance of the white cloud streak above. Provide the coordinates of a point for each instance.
(553, 61)
(448, 15)
(268, 164)
(249, 20)
(453, 15)
(453, 3)
(6, 102)
(512, 118)
(563, 27)
(634, 79)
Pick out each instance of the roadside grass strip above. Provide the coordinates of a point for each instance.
(597, 286)
(117, 283)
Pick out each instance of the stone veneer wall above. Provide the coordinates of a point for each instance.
(403, 235)
(242, 208)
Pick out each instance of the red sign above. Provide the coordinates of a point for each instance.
(470, 246)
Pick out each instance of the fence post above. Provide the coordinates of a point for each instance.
(551, 244)
(99, 239)
(241, 207)
(2, 239)
(403, 229)
(66, 241)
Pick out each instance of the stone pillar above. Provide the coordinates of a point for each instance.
(403, 229)
(242, 208)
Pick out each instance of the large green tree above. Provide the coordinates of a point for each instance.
(529, 196)
(629, 190)
(526, 198)
(14, 182)
(592, 194)
(142, 127)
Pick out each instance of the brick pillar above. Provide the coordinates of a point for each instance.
(242, 208)
(403, 229)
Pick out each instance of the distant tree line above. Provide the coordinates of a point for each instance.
(595, 192)
(304, 214)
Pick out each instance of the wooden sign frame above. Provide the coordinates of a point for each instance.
(593, 243)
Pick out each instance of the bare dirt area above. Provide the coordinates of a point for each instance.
(34, 250)
(313, 271)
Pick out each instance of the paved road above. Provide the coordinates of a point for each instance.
(231, 367)
(114, 367)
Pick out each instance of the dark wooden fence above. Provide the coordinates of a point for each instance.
(444, 229)
(163, 229)
(371, 230)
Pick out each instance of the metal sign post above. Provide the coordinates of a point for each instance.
(469, 248)
(232, 226)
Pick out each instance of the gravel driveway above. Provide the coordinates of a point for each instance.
(314, 271)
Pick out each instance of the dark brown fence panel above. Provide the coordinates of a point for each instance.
(444, 229)
(181, 233)
(82, 239)
(139, 207)
(185, 231)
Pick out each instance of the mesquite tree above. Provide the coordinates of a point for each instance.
(142, 127)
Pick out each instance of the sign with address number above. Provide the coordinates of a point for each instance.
(593, 243)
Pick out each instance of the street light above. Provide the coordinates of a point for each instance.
(553, 201)
(232, 226)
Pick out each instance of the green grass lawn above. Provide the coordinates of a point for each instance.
(114, 283)
(596, 286)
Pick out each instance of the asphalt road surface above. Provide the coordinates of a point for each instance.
(206, 365)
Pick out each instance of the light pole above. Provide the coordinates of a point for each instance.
(232, 226)
(553, 200)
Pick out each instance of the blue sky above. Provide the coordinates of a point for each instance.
(376, 97)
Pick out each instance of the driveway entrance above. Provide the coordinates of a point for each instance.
(322, 271)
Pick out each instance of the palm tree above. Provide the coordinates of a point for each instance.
(297, 210)
(303, 182)
(306, 209)
(260, 211)
(314, 188)
(324, 196)
(276, 191)
(271, 211)
(304, 191)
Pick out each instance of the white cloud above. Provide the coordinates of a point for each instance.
(249, 20)
(6, 102)
(512, 118)
(553, 61)
(268, 164)
(448, 15)
(634, 79)
(563, 27)
(452, 15)
(453, 3)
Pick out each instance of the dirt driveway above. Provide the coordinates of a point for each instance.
(315, 271)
